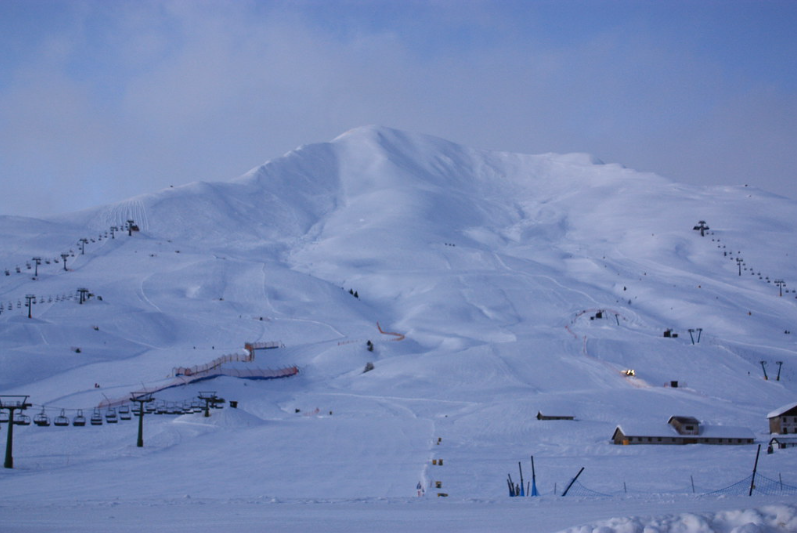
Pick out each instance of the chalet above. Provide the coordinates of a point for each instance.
(541, 416)
(783, 420)
(681, 430)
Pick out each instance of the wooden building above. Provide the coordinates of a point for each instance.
(541, 416)
(681, 430)
(783, 420)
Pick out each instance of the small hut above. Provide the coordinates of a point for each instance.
(541, 416)
(685, 425)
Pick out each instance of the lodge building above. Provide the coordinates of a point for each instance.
(783, 420)
(681, 430)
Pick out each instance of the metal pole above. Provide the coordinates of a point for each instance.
(755, 467)
(140, 441)
(571, 483)
(9, 462)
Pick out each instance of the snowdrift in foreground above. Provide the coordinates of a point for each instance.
(770, 519)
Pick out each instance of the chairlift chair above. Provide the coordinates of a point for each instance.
(110, 416)
(161, 409)
(4, 417)
(21, 420)
(124, 412)
(96, 418)
(41, 420)
(196, 406)
(79, 419)
(61, 420)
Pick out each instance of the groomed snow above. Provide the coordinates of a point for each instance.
(486, 273)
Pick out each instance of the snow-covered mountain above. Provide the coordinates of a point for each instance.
(492, 286)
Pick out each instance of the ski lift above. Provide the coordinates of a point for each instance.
(19, 270)
(161, 409)
(61, 420)
(124, 412)
(27, 265)
(47, 261)
(187, 409)
(41, 420)
(79, 419)
(4, 417)
(56, 261)
(196, 406)
(110, 416)
(174, 409)
(96, 418)
(21, 420)
(8, 273)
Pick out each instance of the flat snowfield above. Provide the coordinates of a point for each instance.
(682, 515)
(428, 301)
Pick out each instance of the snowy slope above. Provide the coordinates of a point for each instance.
(492, 266)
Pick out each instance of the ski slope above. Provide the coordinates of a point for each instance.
(478, 279)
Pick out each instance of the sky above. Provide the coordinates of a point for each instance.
(101, 101)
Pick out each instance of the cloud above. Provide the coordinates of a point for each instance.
(125, 98)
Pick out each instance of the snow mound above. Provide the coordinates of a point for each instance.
(769, 519)
(227, 418)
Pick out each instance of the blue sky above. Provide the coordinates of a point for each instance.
(104, 100)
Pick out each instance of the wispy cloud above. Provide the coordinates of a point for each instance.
(101, 101)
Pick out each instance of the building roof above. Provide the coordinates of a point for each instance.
(666, 430)
(784, 439)
(685, 420)
(637, 429)
(781, 410)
